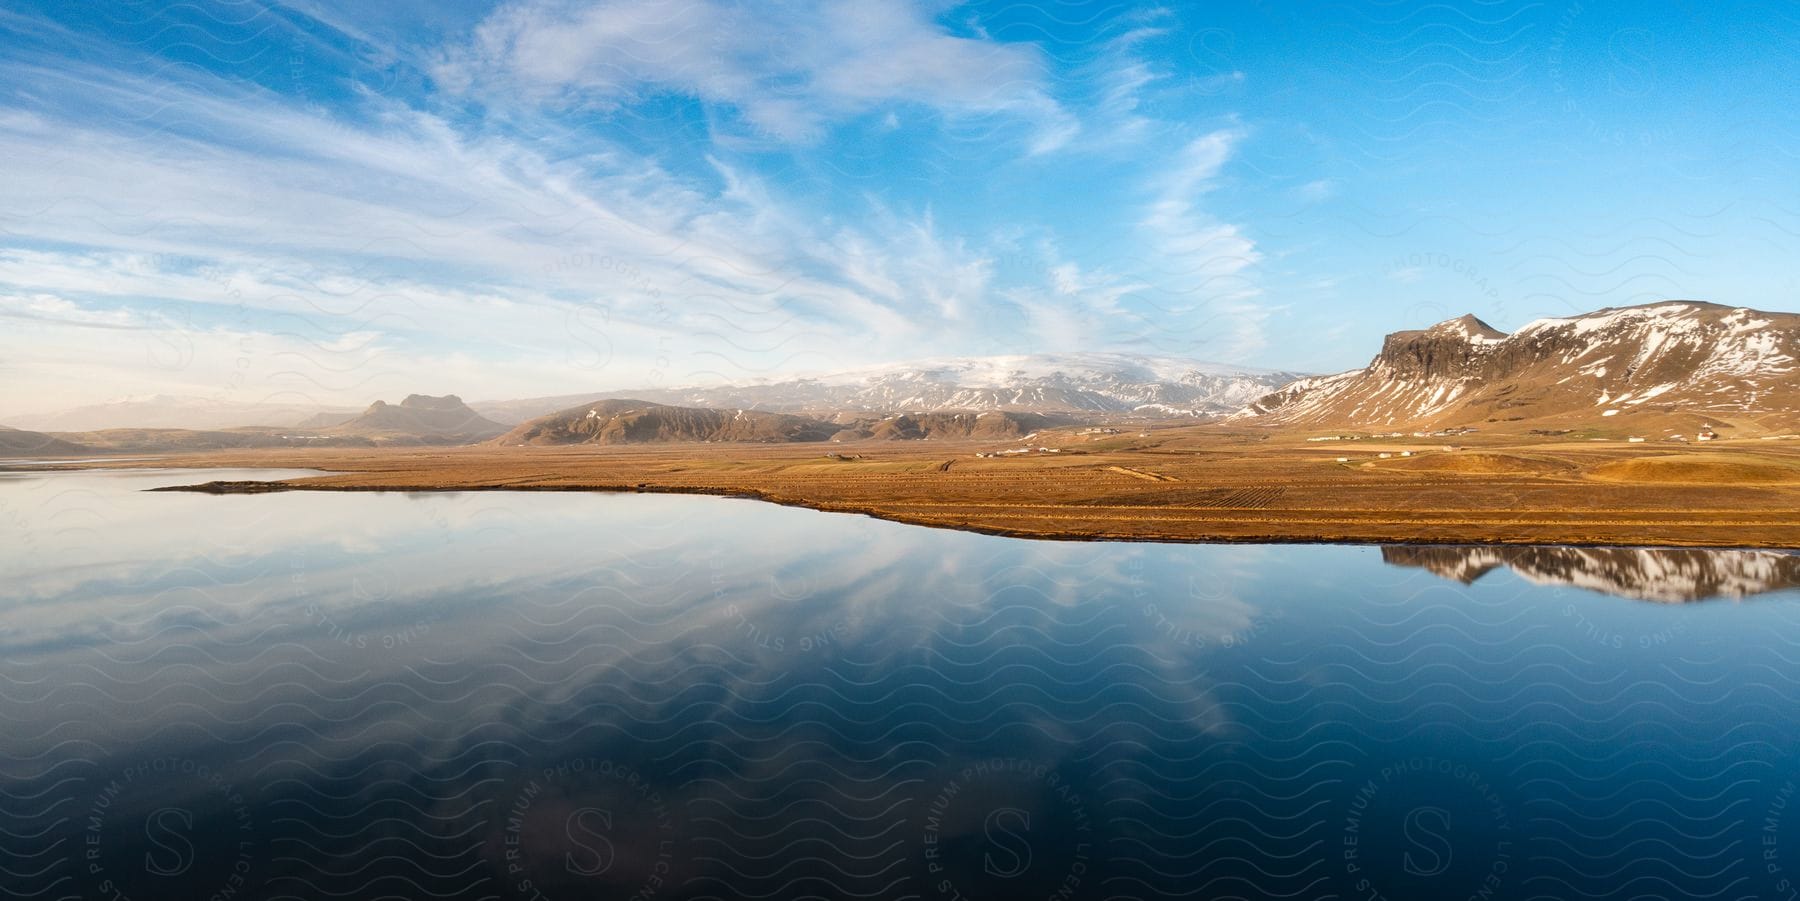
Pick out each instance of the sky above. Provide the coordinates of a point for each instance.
(322, 201)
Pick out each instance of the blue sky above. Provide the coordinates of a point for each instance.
(330, 201)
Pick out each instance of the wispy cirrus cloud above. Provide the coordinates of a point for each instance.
(249, 215)
(50, 308)
(1210, 263)
(388, 242)
(790, 70)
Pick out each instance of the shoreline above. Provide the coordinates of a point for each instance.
(1273, 538)
(1181, 486)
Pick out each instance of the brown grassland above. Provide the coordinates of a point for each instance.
(1198, 483)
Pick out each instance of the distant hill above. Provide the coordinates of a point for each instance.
(992, 425)
(182, 440)
(1630, 367)
(22, 443)
(642, 422)
(419, 420)
(324, 420)
(1086, 384)
(1091, 385)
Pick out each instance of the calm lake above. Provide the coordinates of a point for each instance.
(550, 695)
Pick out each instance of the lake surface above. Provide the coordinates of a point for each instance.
(492, 695)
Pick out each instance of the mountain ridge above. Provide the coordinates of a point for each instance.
(633, 421)
(1686, 357)
(28, 442)
(1110, 384)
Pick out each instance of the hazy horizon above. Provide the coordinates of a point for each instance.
(328, 204)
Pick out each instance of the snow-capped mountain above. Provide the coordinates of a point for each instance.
(1674, 357)
(1044, 383)
(626, 421)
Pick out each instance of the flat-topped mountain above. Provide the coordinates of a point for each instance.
(1684, 357)
(1668, 575)
(419, 419)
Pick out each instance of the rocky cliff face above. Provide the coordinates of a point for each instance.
(1448, 350)
(1680, 356)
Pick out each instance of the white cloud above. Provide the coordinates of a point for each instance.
(790, 70)
(381, 248)
(50, 308)
(1121, 75)
(573, 260)
(61, 361)
(1198, 164)
(1203, 264)
(1080, 309)
(1317, 190)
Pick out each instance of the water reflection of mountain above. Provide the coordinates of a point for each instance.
(1666, 575)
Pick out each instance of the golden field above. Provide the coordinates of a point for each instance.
(1196, 483)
